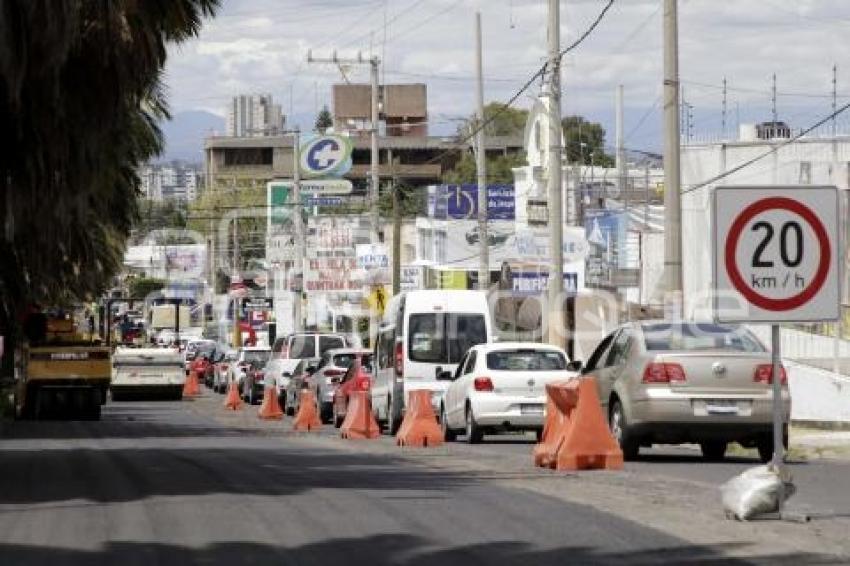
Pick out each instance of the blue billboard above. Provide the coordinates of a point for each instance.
(460, 202)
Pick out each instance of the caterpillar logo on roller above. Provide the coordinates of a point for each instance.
(60, 371)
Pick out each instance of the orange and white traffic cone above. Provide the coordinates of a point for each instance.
(270, 409)
(233, 401)
(191, 388)
(307, 417)
(359, 421)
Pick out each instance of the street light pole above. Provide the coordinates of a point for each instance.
(672, 176)
(298, 263)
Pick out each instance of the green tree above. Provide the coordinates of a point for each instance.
(501, 119)
(498, 169)
(156, 215)
(324, 120)
(411, 201)
(585, 142)
(80, 100)
(141, 287)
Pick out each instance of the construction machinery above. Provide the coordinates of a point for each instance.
(60, 370)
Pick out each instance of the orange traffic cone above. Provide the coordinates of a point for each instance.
(419, 427)
(270, 409)
(554, 428)
(233, 401)
(583, 439)
(307, 417)
(359, 421)
(191, 388)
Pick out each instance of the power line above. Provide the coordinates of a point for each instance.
(771, 151)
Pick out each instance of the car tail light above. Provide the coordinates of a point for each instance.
(658, 372)
(764, 374)
(363, 385)
(224, 366)
(334, 372)
(399, 359)
(483, 384)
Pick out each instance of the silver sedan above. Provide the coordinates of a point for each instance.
(683, 382)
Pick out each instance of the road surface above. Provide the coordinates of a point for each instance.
(162, 483)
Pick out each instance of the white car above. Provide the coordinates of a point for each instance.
(245, 358)
(501, 386)
(147, 371)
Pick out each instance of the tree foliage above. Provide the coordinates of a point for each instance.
(159, 215)
(502, 120)
(324, 120)
(499, 169)
(80, 98)
(143, 286)
(578, 131)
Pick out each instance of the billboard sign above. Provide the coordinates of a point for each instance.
(460, 202)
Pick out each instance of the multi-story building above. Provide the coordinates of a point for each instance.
(173, 181)
(254, 115)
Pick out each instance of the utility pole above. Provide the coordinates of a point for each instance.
(834, 97)
(237, 334)
(298, 224)
(396, 275)
(672, 174)
(621, 151)
(773, 104)
(481, 167)
(723, 113)
(555, 297)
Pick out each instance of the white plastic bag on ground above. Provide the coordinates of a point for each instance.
(755, 492)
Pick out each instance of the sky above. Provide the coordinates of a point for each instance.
(262, 45)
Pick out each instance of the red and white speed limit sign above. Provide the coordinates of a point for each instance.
(776, 252)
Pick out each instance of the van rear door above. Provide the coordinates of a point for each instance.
(436, 341)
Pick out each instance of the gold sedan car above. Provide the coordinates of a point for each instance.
(687, 382)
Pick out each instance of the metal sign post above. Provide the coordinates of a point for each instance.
(775, 260)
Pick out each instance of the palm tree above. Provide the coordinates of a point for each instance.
(80, 99)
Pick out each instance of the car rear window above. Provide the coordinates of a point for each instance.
(344, 360)
(444, 337)
(526, 360)
(329, 343)
(699, 336)
(303, 346)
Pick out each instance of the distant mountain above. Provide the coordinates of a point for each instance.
(185, 133)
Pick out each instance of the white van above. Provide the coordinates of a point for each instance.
(423, 334)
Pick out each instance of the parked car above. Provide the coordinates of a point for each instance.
(253, 386)
(244, 358)
(279, 372)
(358, 377)
(220, 370)
(494, 236)
(687, 382)
(196, 347)
(328, 375)
(298, 381)
(499, 387)
(423, 334)
(310, 345)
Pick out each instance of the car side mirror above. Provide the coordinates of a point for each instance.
(445, 376)
(575, 365)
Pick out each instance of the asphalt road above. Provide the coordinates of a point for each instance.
(157, 483)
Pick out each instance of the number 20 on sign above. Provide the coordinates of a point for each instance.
(775, 254)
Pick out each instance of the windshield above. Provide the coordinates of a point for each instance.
(444, 337)
(255, 356)
(330, 342)
(699, 336)
(344, 360)
(303, 347)
(526, 360)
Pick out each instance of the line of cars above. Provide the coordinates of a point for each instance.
(658, 382)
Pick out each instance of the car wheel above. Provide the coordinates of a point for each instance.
(764, 444)
(620, 430)
(393, 420)
(326, 413)
(713, 450)
(474, 433)
(449, 435)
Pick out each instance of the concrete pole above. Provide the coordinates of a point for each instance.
(555, 299)
(396, 227)
(621, 151)
(298, 223)
(375, 177)
(672, 175)
(481, 167)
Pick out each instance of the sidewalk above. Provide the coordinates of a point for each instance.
(813, 443)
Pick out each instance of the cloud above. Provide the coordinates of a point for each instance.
(261, 45)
